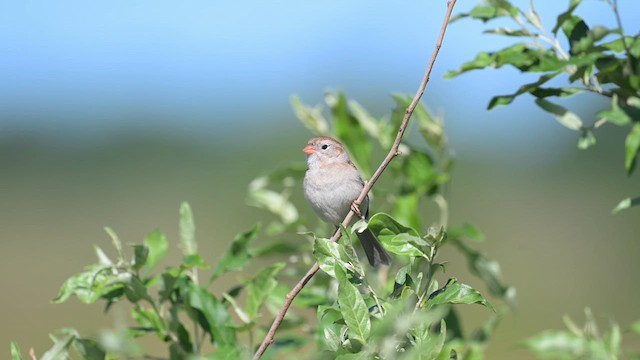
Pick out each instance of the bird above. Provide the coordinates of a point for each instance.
(331, 185)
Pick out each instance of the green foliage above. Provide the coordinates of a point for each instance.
(401, 312)
(596, 59)
(581, 343)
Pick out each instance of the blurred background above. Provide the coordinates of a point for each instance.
(112, 113)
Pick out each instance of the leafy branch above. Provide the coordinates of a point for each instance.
(269, 338)
(599, 60)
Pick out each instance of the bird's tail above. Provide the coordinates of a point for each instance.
(376, 254)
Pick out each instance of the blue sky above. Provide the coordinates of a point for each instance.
(81, 65)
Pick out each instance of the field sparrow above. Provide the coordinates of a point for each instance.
(331, 185)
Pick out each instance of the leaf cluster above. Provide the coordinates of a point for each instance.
(586, 342)
(592, 59)
(402, 312)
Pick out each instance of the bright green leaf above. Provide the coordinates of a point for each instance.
(564, 116)
(566, 16)
(586, 140)
(311, 117)
(116, 242)
(260, 287)
(632, 146)
(158, 245)
(454, 292)
(556, 344)
(187, 230)
(150, 319)
(626, 203)
(278, 203)
(353, 308)
(615, 114)
(481, 61)
(406, 209)
(15, 351)
(509, 32)
(329, 254)
(194, 260)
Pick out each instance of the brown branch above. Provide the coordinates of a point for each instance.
(269, 338)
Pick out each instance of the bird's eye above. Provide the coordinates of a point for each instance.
(325, 146)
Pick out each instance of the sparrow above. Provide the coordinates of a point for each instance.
(331, 185)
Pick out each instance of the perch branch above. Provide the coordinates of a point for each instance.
(269, 338)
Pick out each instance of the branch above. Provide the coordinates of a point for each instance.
(269, 338)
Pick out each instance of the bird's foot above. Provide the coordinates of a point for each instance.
(355, 207)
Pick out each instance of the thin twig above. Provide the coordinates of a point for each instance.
(269, 338)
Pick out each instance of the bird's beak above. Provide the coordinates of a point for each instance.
(309, 149)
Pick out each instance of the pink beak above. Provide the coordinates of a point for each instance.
(309, 149)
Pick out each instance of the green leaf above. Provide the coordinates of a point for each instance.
(431, 346)
(135, 290)
(587, 139)
(89, 286)
(510, 32)
(260, 287)
(406, 209)
(353, 308)
(226, 353)
(483, 334)
(466, 230)
(456, 293)
(397, 238)
(615, 114)
(140, 254)
(526, 88)
(89, 349)
(347, 128)
(363, 355)
(187, 230)
(277, 203)
(612, 340)
(481, 61)
(217, 319)
(149, 319)
(329, 254)
(103, 259)
(489, 271)
(566, 16)
(556, 344)
(328, 326)
(418, 167)
(632, 146)
(625, 204)
(374, 127)
(15, 351)
(237, 255)
(116, 242)
(194, 260)
(490, 11)
(60, 348)
(564, 116)
(158, 245)
(311, 117)
(635, 327)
